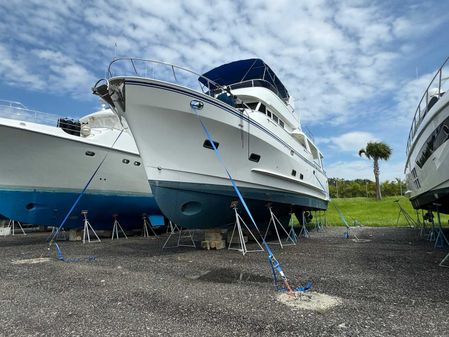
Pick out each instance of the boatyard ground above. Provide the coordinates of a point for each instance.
(390, 285)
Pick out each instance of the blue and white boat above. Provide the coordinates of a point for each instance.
(247, 110)
(44, 168)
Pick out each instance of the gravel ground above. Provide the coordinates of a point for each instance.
(389, 286)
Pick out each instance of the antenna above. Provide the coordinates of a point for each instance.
(115, 50)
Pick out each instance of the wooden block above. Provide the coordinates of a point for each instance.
(218, 244)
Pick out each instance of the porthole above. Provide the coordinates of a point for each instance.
(136, 163)
(293, 173)
(30, 206)
(125, 161)
(254, 157)
(446, 129)
(90, 153)
(301, 176)
(207, 144)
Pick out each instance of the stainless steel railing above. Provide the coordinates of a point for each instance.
(439, 86)
(163, 71)
(17, 111)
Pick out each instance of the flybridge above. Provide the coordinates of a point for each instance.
(246, 73)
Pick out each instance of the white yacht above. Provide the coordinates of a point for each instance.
(427, 166)
(43, 169)
(246, 109)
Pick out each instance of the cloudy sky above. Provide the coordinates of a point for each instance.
(356, 69)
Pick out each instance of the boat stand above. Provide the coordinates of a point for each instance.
(319, 223)
(87, 228)
(411, 222)
(440, 239)
(12, 224)
(292, 232)
(445, 262)
(238, 226)
(145, 226)
(289, 241)
(60, 234)
(304, 231)
(116, 228)
(181, 234)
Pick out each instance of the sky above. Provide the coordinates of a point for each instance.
(356, 69)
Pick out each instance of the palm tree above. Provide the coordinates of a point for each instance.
(376, 151)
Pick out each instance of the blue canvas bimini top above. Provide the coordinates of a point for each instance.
(245, 71)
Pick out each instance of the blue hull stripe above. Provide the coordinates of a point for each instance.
(50, 207)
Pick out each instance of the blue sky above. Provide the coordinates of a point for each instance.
(356, 69)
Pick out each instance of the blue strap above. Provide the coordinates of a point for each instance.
(83, 191)
(272, 260)
(341, 216)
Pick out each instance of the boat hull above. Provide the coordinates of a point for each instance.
(185, 173)
(43, 171)
(427, 171)
(208, 206)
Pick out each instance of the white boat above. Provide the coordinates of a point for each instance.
(427, 166)
(43, 169)
(246, 109)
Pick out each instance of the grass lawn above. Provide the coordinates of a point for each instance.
(370, 212)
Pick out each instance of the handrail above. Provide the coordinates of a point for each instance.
(211, 85)
(419, 116)
(19, 112)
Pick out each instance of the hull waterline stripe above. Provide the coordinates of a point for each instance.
(275, 265)
(231, 111)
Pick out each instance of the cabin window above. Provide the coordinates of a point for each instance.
(293, 173)
(252, 105)
(281, 123)
(207, 144)
(254, 157)
(269, 113)
(263, 108)
(275, 118)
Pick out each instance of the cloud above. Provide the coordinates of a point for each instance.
(348, 142)
(330, 55)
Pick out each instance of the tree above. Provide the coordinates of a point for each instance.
(376, 151)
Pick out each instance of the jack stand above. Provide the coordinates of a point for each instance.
(423, 224)
(440, 239)
(304, 232)
(146, 225)
(87, 228)
(12, 224)
(275, 222)
(443, 262)
(411, 222)
(175, 230)
(116, 227)
(319, 226)
(61, 235)
(238, 226)
(292, 232)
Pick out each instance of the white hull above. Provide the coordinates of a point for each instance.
(170, 139)
(43, 169)
(427, 168)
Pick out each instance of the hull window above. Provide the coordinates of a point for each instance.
(293, 173)
(301, 176)
(254, 157)
(207, 144)
(136, 163)
(125, 161)
(90, 153)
